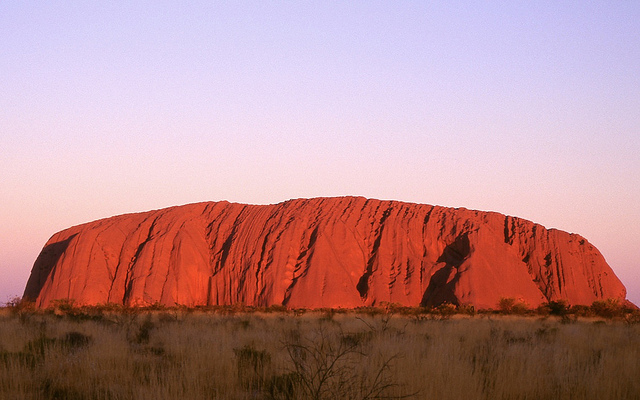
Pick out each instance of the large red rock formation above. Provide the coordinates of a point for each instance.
(323, 252)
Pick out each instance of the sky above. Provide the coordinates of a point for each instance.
(530, 109)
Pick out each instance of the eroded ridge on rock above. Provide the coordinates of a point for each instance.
(321, 252)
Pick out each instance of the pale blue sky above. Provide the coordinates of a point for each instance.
(525, 108)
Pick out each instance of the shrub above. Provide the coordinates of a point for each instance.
(632, 317)
(559, 308)
(580, 310)
(467, 309)
(509, 305)
(14, 302)
(445, 310)
(38, 347)
(62, 307)
(276, 308)
(110, 307)
(75, 340)
(252, 367)
(282, 386)
(505, 305)
(143, 334)
(18, 305)
(607, 308)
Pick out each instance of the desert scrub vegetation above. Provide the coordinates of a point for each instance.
(110, 352)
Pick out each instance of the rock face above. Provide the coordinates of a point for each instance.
(322, 252)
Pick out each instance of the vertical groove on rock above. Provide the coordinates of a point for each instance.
(134, 259)
(507, 232)
(224, 251)
(559, 272)
(304, 258)
(363, 283)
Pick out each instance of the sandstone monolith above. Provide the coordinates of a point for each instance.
(322, 252)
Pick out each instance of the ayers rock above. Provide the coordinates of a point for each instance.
(321, 252)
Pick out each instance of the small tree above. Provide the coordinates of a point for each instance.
(325, 366)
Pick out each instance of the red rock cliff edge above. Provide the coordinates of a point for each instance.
(323, 252)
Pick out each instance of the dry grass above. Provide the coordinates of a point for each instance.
(175, 354)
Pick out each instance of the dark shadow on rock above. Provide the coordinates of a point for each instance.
(441, 288)
(43, 267)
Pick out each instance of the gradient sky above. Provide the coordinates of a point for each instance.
(530, 109)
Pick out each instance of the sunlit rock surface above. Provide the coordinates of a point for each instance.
(322, 252)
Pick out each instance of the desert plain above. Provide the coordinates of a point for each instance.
(111, 352)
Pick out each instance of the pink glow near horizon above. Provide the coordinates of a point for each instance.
(528, 110)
